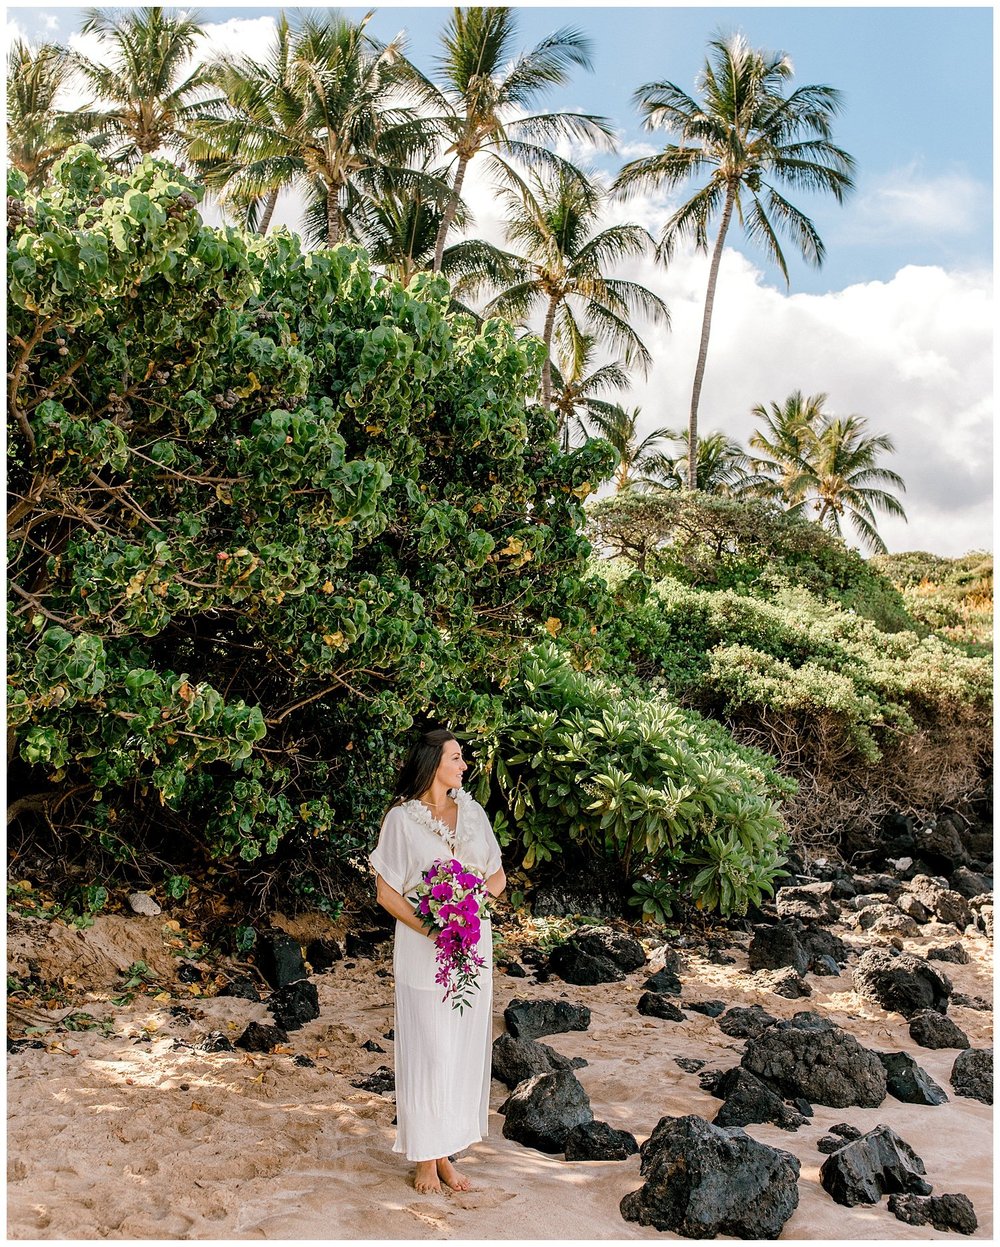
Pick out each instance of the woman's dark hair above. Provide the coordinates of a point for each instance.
(420, 765)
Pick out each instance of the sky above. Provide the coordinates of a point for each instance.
(896, 325)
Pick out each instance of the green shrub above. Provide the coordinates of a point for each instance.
(268, 508)
(576, 766)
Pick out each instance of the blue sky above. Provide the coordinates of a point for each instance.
(896, 327)
(917, 118)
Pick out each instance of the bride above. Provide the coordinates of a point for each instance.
(443, 1056)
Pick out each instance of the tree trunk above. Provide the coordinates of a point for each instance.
(265, 219)
(332, 217)
(550, 320)
(449, 213)
(706, 328)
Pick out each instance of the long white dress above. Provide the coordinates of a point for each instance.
(443, 1056)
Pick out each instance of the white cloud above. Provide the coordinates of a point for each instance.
(907, 201)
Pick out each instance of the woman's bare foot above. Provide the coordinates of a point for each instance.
(450, 1176)
(425, 1179)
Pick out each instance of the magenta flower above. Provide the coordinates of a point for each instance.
(442, 891)
(449, 901)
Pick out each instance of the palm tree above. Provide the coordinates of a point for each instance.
(845, 479)
(750, 136)
(637, 460)
(723, 465)
(563, 267)
(825, 464)
(322, 111)
(38, 132)
(483, 87)
(152, 103)
(577, 385)
(787, 436)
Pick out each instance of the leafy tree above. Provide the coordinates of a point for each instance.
(322, 112)
(752, 138)
(38, 131)
(149, 101)
(563, 267)
(483, 88)
(266, 509)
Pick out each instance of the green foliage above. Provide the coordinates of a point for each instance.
(750, 546)
(267, 508)
(954, 597)
(579, 767)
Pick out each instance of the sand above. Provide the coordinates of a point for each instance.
(138, 1135)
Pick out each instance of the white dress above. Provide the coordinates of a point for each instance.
(443, 1056)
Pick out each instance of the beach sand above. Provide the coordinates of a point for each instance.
(138, 1135)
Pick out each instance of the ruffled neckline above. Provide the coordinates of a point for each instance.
(421, 814)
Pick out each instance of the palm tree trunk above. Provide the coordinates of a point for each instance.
(550, 320)
(449, 213)
(332, 217)
(265, 219)
(706, 328)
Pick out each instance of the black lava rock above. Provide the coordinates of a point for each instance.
(775, 947)
(657, 1005)
(747, 1100)
(371, 1046)
(969, 884)
(689, 1064)
(829, 1144)
(703, 1180)
(322, 955)
(279, 958)
(745, 1023)
(582, 968)
(527, 1019)
(242, 987)
(515, 1060)
(972, 1074)
(258, 1038)
(906, 1081)
(665, 982)
(956, 953)
(879, 1163)
(810, 901)
(596, 1140)
(933, 1030)
(215, 1041)
(295, 1005)
(787, 983)
(943, 1212)
(819, 942)
(823, 1066)
(710, 1008)
(188, 973)
(305, 1061)
(541, 1112)
(620, 949)
(514, 969)
(846, 1131)
(381, 1082)
(902, 983)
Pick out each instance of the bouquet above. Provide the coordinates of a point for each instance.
(449, 900)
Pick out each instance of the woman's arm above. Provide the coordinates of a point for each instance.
(395, 903)
(496, 883)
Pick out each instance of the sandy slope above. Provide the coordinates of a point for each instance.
(144, 1138)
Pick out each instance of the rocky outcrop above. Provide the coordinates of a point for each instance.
(772, 948)
(596, 1140)
(933, 1030)
(811, 901)
(541, 1112)
(703, 1180)
(901, 982)
(295, 1005)
(906, 1081)
(823, 1066)
(657, 1005)
(972, 1074)
(745, 1023)
(943, 1212)
(528, 1019)
(748, 1100)
(879, 1163)
(515, 1060)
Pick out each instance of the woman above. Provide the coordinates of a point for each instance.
(443, 1055)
